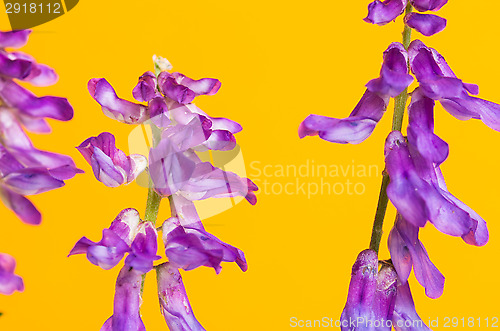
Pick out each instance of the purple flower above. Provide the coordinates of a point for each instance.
(174, 302)
(384, 12)
(405, 317)
(426, 24)
(190, 247)
(371, 296)
(127, 234)
(110, 165)
(15, 39)
(145, 89)
(407, 251)
(182, 89)
(425, 5)
(394, 78)
(127, 303)
(176, 169)
(438, 82)
(375, 301)
(9, 282)
(418, 192)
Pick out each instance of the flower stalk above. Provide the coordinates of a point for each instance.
(397, 123)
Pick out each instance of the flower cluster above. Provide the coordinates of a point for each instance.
(416, 185)
(25, 170)
(180, 130)
(427, 24)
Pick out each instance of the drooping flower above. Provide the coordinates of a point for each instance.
(420, 196)
(127, 302)
(9, 282)
(394, 78)
(376, 301)
(384, 12)
(127, 234)
(371, 296)
(407, 251)
(25, 170)
(174, 302)
(110, 165)
(438, 82)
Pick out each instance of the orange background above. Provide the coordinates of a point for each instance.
(278, 62)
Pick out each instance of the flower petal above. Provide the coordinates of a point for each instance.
(15, 39)
(23, 208)
(383, 12)
(174, 302)
(9, 282)
(426, 24)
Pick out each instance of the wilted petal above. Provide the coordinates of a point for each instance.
(145, 89)
(394, 77)
(114, 107)
(383, 12)
(425, 5)
(9, 282)
(189, 248)
(405, 318)
(426, 24)
(14, 39)
(127, 302)
(174, 302)
(354, 129)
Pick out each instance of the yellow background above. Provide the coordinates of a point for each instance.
(278, 62)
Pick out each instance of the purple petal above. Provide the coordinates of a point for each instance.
(421, 129)
(174, 302)
(9, 282)
(189, 248)
(110, 165)
(31, 181)
(426, 24)
(127, 302)
(12, 67)
(362, 290)
(170, 88)
(405, 318)
(158, 111)
(220, 140)
(126, 225)
(23, 208)
(114, 107)
(144, 248)
(383, 12)
(221, 123)
(40, 74)
(425, 271)
(145, 89)
(354, 129)
(385, 295)
(28, 104)
(204, 86)
(186, 212)
(394, 77)
(14, 39)
(425, 5)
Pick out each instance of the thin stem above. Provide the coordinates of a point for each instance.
(152, 204)
(397, 124)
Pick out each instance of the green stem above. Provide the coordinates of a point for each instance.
(397, 124)
(152, 204)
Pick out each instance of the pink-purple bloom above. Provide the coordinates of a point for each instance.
(126, 234)
(110, 165)
(9, 281)
(375, 301)
(383, 12)
(25, 170)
